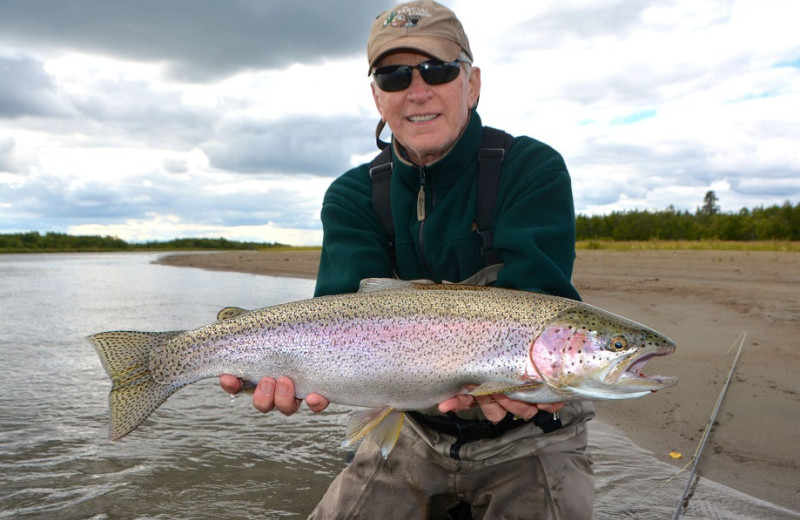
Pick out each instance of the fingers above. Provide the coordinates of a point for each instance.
(496, 406)
(457, 404)
(316, 403)
(551, 407)
(499, 404)
(231, 384)
(271, 394)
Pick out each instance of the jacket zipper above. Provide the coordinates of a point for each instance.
(421, 217)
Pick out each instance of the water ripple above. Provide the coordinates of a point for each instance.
(200, 454)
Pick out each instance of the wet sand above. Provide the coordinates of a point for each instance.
(703, 300)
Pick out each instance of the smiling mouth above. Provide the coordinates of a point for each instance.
(423, 119)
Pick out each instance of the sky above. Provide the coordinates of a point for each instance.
(154, 120)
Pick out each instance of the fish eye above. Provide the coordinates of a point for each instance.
(617, 344)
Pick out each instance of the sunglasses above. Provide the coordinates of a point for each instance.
(394, 78)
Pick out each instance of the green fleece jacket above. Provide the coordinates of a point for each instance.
(533, 222)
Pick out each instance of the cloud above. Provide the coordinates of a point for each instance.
(175, 165)
(231, 118)
(207, 200)
(145, 111)
(7, 162)
(304, 144)
(27, 89)
(168, 227)
(199, 40)
(560, 21)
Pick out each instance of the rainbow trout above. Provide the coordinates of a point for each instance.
(391, 347)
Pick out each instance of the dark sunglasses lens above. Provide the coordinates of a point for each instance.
(393, 78)
(439, 73)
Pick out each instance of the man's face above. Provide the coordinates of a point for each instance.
(427, 119)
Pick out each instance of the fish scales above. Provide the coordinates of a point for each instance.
(393, 346)
(436, 344)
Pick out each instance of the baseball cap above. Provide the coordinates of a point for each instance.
(422, 26)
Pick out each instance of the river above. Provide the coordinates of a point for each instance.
(204, 454)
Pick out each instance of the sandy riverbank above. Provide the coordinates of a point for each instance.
(703, 300)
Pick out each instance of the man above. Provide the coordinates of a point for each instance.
(450, 462)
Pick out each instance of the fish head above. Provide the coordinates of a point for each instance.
(585, 352)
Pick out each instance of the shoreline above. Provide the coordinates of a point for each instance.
(703, 300)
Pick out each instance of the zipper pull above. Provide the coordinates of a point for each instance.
(421, 203)
(421, 196)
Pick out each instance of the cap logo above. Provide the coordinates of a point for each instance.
(406, 17)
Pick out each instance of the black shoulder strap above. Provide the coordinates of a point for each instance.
(494, 146)
(380, 171)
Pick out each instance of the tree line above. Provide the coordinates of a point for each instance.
(706, 223)
(35, 242)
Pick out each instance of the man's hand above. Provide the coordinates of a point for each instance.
(496, 406)
(271, 394)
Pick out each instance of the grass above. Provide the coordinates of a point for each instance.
(689, 245)
(291, 248)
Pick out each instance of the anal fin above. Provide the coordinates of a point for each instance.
(383, 424)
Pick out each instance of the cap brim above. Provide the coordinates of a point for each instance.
(433, 46)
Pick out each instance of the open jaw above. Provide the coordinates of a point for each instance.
(634, 377)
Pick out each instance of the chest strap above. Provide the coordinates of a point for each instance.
(494, 147)
(380, 171)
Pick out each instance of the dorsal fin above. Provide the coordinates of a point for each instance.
(386, 284)
(230, 312)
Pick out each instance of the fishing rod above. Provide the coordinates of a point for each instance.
(684, 502)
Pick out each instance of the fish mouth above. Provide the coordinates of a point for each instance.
(634, 377)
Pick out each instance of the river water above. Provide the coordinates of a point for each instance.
(203, 454)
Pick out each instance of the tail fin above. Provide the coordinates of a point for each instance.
(134, 393)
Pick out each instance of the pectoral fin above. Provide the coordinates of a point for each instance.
(383, 424)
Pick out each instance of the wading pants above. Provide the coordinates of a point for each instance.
(523, 474)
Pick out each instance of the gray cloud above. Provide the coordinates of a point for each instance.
(682, 162)
(303, 144)
(44, 123)
(7, 163)
(54, 197)
(27, 90)
(155, 115)
(175, 166)
(637, 171)
(781, 186)
(560, 21)
(146, 112)
(199, 39)
(280, 207)
(56, 204)
(615, 19)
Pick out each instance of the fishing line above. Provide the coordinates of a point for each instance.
(684, 501)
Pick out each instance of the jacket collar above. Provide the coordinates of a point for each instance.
(450, 168)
